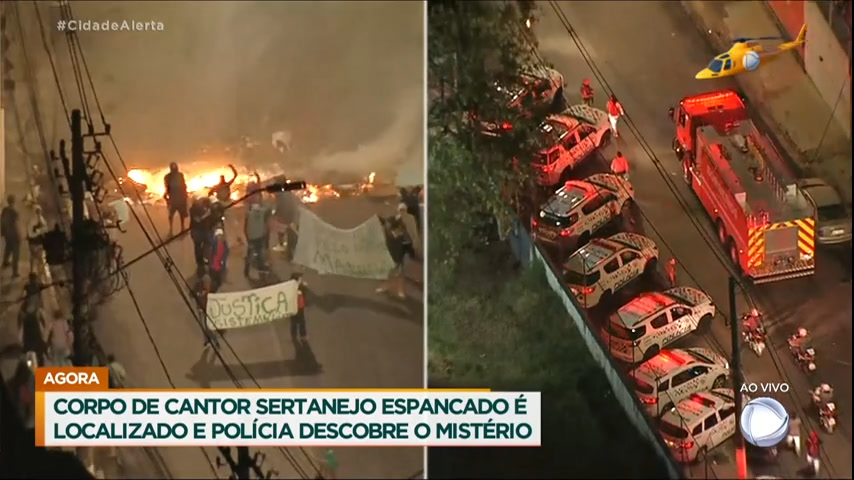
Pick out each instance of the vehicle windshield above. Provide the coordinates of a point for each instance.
(642, 386)
(619, 331)
(831, 213)
(572, 277)
(672, 431)
(553, 132)
(716, 65)
(542, 158)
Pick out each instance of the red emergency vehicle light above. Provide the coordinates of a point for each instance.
(668, 356)
(725, 100)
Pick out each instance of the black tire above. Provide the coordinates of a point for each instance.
(687, 176)
(605, 139)
(719, 382)
(650, 268)
(704, 325)
(701, 455)
(558, 102)
(677, 149)
(722, 235)
(651, 352)
(605, 299)
(732, 250)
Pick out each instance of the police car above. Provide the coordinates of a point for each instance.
(605, 265)
(651, 321)
(580, 208)
(700, 423)
(673, 375)
(537, 86)
(570, 138)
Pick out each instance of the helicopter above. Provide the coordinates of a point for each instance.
(747, 55)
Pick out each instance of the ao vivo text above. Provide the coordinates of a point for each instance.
(764, 387)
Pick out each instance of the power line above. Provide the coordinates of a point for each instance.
(682, 202)
(165, 256)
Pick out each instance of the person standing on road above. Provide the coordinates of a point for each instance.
(36, 229)
(298, 330)
(615, 111)
(671, 271)
(814, 452)
(620, 166)
(218, 260)
(793, 438)
(257, 231)
(11, 233)
(176, 195)
(31, 327)
(587, 92)
(200, 213)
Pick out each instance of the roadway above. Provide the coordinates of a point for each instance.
(357, 339)
(648, 54)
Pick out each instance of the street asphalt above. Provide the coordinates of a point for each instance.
(648, 54)
(357, 338)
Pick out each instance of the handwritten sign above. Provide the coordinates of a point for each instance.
(252, 307)
(360, 252)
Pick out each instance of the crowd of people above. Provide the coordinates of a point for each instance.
(270, 218)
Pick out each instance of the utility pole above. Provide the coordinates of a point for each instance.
(737, 378)
(77, 189)
(246, 464)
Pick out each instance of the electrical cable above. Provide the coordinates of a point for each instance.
(160, 357)
(34, 105)
(649, 152)
(165, 256)
(53, 68)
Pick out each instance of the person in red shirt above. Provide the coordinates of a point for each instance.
(620, 166)
(615, 111)
(587, 92)
(298, 332)
(671, 271)
(814, 452)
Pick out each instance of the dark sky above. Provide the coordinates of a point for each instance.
(345, 78)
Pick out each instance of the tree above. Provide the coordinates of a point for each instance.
(477, 53)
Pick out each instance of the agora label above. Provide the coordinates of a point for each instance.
(72, 379)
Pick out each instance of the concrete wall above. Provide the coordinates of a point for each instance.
(528, 251)
(828, 66)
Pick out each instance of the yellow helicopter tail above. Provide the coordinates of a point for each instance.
(797, 42)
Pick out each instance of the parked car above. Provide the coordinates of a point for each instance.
(834, 221)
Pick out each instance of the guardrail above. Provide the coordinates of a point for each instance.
(527, 251)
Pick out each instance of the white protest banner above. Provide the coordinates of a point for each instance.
(252, 307)
(360, 252)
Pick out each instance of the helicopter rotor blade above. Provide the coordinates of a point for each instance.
(749, 39)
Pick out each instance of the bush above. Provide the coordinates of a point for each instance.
(493, 327)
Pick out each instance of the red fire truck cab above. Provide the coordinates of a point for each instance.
(762, 218)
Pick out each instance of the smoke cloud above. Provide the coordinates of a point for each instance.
(345, 79)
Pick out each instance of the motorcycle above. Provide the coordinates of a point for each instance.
(803, 355)
(827, 417)
(753, 335)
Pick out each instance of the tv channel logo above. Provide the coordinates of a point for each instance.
(764, 422)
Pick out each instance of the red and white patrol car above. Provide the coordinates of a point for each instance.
(673, 375)
(605, 265)
(581, 207)
(652, 321)
(571, 137)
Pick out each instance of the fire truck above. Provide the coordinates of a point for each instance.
(762, 218)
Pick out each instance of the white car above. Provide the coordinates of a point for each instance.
(605, 265)
(570, 138)
(834, 222)
(652, 321)
(581, 207)
(673, 375)
(700, 423)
